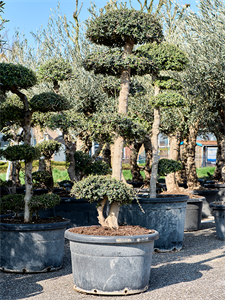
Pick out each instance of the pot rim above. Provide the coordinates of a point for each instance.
(169, 198)
(94, 239)
(34, 227)
(218, 206)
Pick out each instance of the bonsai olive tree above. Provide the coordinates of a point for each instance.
(103, 189)
(14, 78)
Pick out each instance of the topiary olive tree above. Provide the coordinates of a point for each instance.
(166, 57)
(121, 29)
(14, 78)
(103, 189)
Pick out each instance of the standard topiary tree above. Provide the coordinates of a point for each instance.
(120, 60)
(14, 78)
(166, 57)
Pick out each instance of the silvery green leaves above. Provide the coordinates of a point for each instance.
(165, 56)
(112, 62)
(118, 26)
(56, 69)
(49, 101)
(21, 152)
(168, 98)
(167, 166)
(95, 188)
(16, 76)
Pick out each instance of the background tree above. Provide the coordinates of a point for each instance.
(15, 78)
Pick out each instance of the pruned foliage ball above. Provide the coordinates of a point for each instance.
(16, 76)
(116, 27)
(15, 203)
(168, 99)
(21, 152)
(44, 201)
(167, 166)
(41, 176)
(48, 148)
(49, 101)
(167, 83)
(95, 188)
(56, 69)
(84, 165)
(112, 62)
(165, 56)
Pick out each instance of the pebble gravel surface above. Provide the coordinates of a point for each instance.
(197, 272)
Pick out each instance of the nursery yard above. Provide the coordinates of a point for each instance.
(60, 173)
(196, 272)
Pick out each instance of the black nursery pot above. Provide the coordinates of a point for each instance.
(210, 196)
(193, 214)
(165, 214)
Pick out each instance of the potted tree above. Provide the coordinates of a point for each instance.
(109, 250)
(14, 78)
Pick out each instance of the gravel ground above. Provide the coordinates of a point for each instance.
(196, 272)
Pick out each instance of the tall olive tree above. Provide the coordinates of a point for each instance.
(120, 58)
(166, 57)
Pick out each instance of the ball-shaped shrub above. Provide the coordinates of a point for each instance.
(167, 99)
(48, 148)
(165, 56)
(112, 62)
(21, 152)
(49, 101)
(118, 26)
(44, 201)
(41, 176)
(16, 76)
(167, 166)
(15, 203)
(56, 69)
(95, 188)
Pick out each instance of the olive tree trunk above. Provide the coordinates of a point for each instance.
(174, 140)
(220, 159)
(119, 141)
(27, 141)
(148, 156)
(155, 160)
(192, 179)
(134, 168)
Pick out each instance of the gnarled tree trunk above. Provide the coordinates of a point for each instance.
(192, 179)
(148, 163)
(170, 179)
(220, 159)
(134, 168)
(155, 134)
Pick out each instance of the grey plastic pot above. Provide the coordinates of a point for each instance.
(111, 265)
(210, 196)
(164, 214)
(31, 248)
(193, 214)
(219, 214)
